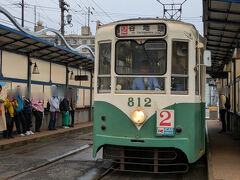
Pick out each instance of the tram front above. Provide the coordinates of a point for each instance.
(142, 93)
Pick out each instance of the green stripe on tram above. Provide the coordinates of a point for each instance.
(120, 130)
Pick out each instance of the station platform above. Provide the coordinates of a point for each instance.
(223, 153)
(43, 135)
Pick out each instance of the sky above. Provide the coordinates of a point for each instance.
(106, 11)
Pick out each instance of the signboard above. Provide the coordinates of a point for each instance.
(81, 78)
(165, 123)
(136, 30)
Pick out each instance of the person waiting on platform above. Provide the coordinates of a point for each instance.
(222, 108)
(3, 126)
(10, 104)
(54, 108)
(27, 110)
(64, 108)
(145, 83)
(72, 102)
(38, 110)
(19, 116)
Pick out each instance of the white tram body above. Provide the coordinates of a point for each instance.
(127, 116)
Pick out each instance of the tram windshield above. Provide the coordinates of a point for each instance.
(141, 58)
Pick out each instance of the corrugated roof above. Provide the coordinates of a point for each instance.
(221, 30)
(22, 43)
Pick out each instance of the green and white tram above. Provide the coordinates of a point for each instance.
(149, 94)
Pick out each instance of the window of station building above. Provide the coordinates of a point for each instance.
(84, 41)
(68, 41)
(92, 41)
(179, 78)
(104, 69)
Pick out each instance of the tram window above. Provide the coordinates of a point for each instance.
(179, 80)
(104, 69)
(140, 84)
(104, 58)
(132, 55)
(179, 85)
(104, 84)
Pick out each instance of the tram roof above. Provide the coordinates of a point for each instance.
(221, 30)
(145, 19)
(22, 43)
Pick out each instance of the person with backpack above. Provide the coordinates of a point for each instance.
(223, 102)
(19, 118)
(64, 108)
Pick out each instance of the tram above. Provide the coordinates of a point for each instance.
(149, 94)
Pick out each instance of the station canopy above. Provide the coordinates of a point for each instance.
(221, 30)
(22, 43)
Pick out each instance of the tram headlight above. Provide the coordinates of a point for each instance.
(138, 116)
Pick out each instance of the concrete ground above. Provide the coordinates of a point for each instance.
(17, 160)
(78, 166)
(224, 154)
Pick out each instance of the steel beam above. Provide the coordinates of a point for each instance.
(223, 12)
(219, 21)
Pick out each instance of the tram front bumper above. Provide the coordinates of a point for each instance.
(179, 143)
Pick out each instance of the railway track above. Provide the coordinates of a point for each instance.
(51, 161)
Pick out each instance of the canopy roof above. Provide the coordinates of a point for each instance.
(221, 30)
(22, 43)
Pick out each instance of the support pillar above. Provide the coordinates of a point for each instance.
(67, 80)
(91, 88)
(29, 76)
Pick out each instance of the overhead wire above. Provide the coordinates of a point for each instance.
(102, 10)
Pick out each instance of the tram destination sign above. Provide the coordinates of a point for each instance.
(139, 30)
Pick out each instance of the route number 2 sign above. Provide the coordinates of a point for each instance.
(165, 123)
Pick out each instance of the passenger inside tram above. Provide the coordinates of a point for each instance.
(145, 83)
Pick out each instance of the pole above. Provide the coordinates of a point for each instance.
(22, 13)
(67, 78)
(88, 20)
(91, 86)
(234, 85)
(62, 16)
(29, 76)
(35, 15)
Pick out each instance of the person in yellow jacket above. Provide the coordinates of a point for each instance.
(10, 104)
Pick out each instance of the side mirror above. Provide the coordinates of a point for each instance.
(207, 58)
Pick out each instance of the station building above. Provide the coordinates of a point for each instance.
(75, 40)
(221, 31)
